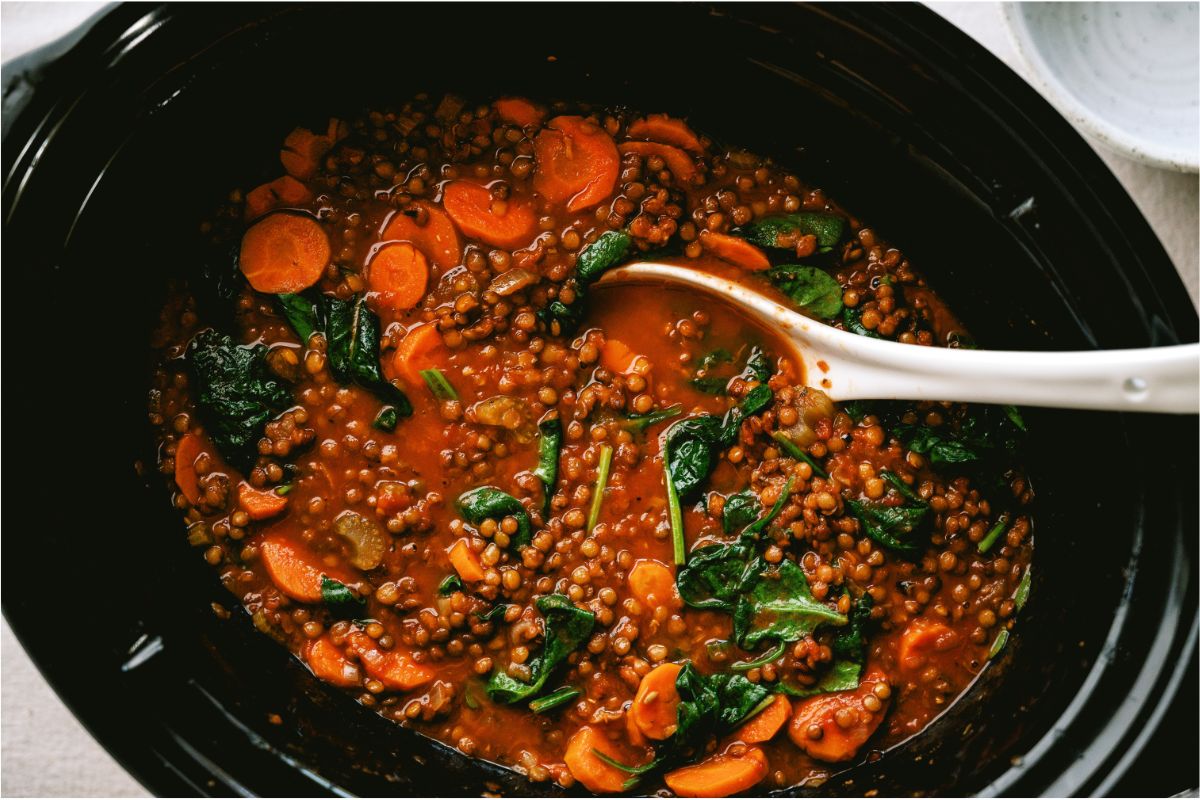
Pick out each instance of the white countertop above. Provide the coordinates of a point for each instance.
(44, 751)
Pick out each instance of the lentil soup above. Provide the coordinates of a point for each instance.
(600, 535)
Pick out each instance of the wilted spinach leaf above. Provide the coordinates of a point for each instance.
(550, 431)
(338, 598)
(782, 230)
(713, 704)
(780, 606)
(488, 502)
(810, 288)
(567, 627)
(594, 260)
(236, 393)
(741, 509)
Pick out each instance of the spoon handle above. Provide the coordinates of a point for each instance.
(1160, 379)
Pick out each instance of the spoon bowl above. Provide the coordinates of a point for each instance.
(847, 366)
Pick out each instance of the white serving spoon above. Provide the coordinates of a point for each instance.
(847, 366)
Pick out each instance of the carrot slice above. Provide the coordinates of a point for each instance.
(430, 229)
(519, 111)
(259, 504)
(465, 562)
(285, 191)
(397, 276)
(186, 453)
(719, 775)
(421, 348)
(302, 152)
(734, 250)
(763, 726)
(576, 163)
(294, 569)
(617, 356)
(329, 663)
(394, 668)
(678, 162)
(653, 584)
(654, 706)
(920, 637)
(507, 223)
(832, 727)
(588, 768)
(337, 130)
(284, 253)
(666, 130)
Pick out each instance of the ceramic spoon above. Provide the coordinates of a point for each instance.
(847, 366)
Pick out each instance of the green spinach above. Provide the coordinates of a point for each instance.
(779, 606)
(236, 394)
(553, 700)
(810, 288)
(449, 585)
(566, 628)
(741, 509)
(488, 502)
(338, 598)
(640, 422)
(594, 260)
(549, 447)
(783, 229)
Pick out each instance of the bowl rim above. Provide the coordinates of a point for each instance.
(1109, 135)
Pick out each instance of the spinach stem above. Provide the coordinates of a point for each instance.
(767, 658)
(606, 453)
(794, 450)
(998, 645)
(1001, 525)
(676, 515)
(438, 384)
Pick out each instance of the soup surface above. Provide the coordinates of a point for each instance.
(600, 535)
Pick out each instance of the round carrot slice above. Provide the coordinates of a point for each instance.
(921, 637)
(519, 111)
(763, 726)
(666, 130)
(678, 162)
(430, 229)
(285, 191)
(259, 503)
(394, 668)
(186, 453)
(734, 250)
(329, 663)
(654, 707)
(507, 223)
(832, 727)
(719, 775)
(421, 348)
(397, 276)
(588, 768)
(576, 163)
(292, 568)
(284, 253)
(653, 584)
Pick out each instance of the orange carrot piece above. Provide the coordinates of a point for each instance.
(284, 253)
(430, 229)
(590, 770)
(465, 562)
(187, 450)
(294, 569)
(920, 637)
(678, 162)
(421, 348)
(763, 726)
(394, 668)
(666, 130)
(719, 775)
(617, 356)
(259, 504)
(397, 275)
(519, 111)
(654, 707)
(653, 584)
(285, 191)
(734, 250)
(836, 742)
(576, 163)
(509, 223)
(337, 130)
(302, 152)
(329, 663)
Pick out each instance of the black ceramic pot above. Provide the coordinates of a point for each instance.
(115, 147)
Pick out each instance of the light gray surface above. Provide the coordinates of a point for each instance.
(45, 752)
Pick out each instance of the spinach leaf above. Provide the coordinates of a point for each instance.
(889, 526)
(488, 502)
(236, 394)
(594, 260)
(717, 575)
(710, 378)
(438, 384)
(567, 627)
(493, 614)
(710, 384)
(338, 598)
(782, 230)
(780, 606)
(549, 446)
(690, 452)
(740, 510)
(852, 320)
(841, 676)
(760, 525)
(986, 436)
(715, 358)
(304, 312)
(713, 704)
(751, 403)
(811, 289)
(386, 419)
(758, 365)
(449, 585)
(850, 642)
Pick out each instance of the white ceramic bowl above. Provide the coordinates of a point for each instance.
(1127, 74)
